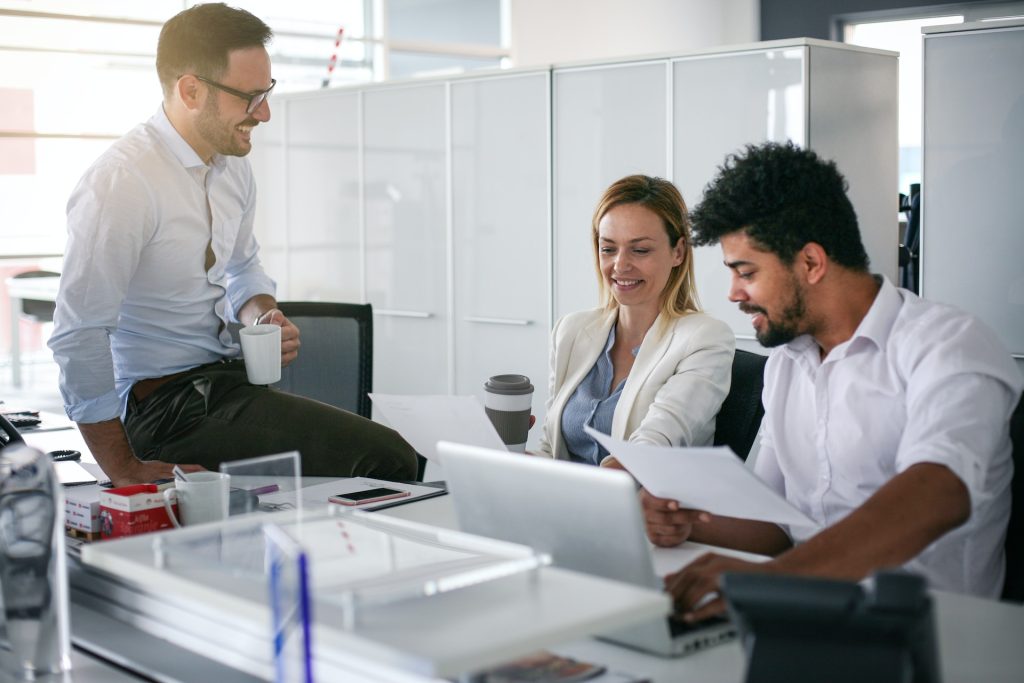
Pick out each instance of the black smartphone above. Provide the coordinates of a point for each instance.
(366, 496)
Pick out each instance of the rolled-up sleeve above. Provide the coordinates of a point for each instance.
(110, 218)
(958, 406)
(245, 275)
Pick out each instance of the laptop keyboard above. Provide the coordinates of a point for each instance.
(678, 627)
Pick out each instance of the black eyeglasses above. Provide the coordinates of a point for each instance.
(255, 99)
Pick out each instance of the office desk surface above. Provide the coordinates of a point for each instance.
(979, 640)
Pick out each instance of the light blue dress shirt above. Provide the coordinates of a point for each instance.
(593, 406)
(136, 300)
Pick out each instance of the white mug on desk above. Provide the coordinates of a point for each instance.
(202, 498)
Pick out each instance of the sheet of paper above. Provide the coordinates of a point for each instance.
(425, 420)
(316, 495)
(711, 479)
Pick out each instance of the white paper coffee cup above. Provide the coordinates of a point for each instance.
(507, 401)
(261, 349)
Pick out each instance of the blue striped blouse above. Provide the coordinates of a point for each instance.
(592, 405)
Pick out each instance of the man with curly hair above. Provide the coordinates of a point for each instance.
(886, 416)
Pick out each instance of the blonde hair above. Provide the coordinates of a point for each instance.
(660, 196)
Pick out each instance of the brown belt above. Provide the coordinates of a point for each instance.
(144, 387)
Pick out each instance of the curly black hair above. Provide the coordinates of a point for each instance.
(783, 197)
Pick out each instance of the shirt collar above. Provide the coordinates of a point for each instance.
(182, 151)
(611, 342)
(878, 322)
(875, 326)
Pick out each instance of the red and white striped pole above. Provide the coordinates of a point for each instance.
(334, 58)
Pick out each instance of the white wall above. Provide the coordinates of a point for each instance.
(557, 31)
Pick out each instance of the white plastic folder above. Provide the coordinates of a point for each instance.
(711, 479)
(425, 420)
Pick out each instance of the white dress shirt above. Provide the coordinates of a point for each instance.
(918, 382)
(136, 300)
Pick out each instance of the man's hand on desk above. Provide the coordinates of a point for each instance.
(145, 471)
(695, 590)
(667, 524)
(108, 443)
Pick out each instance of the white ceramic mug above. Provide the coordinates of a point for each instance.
(261, 349)
(203, 498)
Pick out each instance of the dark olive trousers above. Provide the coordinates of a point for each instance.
(212, 414)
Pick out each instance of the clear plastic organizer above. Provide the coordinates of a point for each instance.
(343, 592)
(354, 559)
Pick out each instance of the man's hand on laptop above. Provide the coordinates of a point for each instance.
(695, 587)
(667, 524)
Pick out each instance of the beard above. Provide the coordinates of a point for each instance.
(787, 327)
(218, 134)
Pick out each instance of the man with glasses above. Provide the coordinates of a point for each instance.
(161, 258)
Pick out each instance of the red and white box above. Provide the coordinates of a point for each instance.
(132, 510)
(82, 508)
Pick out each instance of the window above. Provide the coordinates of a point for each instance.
(77, 74)
(903, 36)
(900, 30)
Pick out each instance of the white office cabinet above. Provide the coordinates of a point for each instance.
(972, 230)
(461, 207)
(852, 118)
(609, 122)
(838, 100)
(500, 230)
(721, 103)
(405, 195)
(324, 250)
(270, 171)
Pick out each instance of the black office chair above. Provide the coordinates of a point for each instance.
(740, 416)
(1013, 587)
(910, 245)
(335, 363)
(37, 310)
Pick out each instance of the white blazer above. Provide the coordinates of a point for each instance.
(677, 384)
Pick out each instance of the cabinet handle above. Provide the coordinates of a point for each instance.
(402, 314)
(498, 321)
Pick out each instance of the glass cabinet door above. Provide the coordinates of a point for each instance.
(501, 238)
(406, 256)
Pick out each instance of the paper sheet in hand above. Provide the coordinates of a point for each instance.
(711, 479)
(425, 420)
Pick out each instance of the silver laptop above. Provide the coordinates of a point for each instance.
(587, 518)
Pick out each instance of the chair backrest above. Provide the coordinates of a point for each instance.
(37, 310)
(1013, 588)
(335, 363)
(740, 417)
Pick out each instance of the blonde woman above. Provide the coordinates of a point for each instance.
(648, 366)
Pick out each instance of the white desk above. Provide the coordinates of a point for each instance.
(18, 289)
(979, 640)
